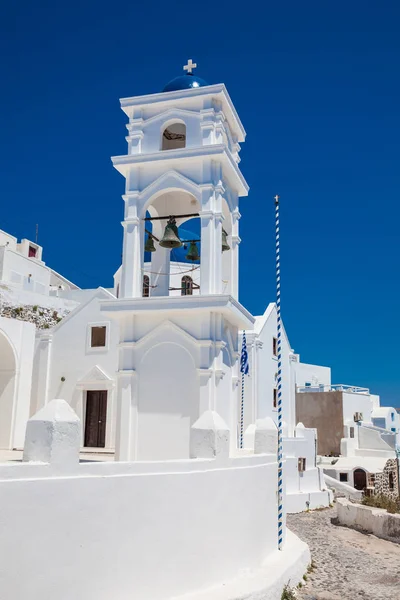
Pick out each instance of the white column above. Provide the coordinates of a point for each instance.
(126, 427)
(211, 219)
(41, 372)
(131, 275)
(160, 272)
(235, 241)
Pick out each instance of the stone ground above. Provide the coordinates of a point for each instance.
(349, 565)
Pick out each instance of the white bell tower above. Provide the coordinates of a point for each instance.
(178, 355)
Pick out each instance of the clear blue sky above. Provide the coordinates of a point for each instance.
(316, 85)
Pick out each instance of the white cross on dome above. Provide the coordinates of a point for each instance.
(190, 66)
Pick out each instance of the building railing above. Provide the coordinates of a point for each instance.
(335, 387)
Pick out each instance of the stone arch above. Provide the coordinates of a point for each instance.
(8, 367)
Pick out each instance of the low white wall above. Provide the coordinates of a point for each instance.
(372, 520)
(134, 530)
(344, 488)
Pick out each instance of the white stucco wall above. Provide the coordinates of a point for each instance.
(29, 274)
(143, 530)
(311, 374)
(262, 380)
(66, 353)
(17, 339)
(353, 403)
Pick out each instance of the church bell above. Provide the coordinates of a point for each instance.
(149, 245)
(193, 253)
(170, 239)
(225, 245)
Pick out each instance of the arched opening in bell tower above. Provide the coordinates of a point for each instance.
(173, 136)
(172, 244)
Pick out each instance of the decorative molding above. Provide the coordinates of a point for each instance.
(219, 374)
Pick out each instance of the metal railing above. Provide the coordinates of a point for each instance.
(335, 387)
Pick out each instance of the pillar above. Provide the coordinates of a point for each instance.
(211, 219)
(160, 272)
(53, 436)
(126, 425)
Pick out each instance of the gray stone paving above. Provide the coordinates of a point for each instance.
(349, 565)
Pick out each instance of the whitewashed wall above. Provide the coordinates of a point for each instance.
(134, 530)
(314, 374)
(353, 403)
(17, 339)
(66, 353)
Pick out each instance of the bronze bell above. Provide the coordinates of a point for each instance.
(225, 245)
(170, 239)
(149, 245)
(193, 253)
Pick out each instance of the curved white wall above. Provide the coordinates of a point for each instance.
(134, 530)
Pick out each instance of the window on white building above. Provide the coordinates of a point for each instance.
(32, 252)
(352, 432)
(187, 286)
(343, 477)
(302, 465)
(275, 398)
(98, 336)
(146, 286)
(274, 346)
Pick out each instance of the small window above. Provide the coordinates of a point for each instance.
(392, 416)
(174, 136)
(302, 465)
(393, 429)
(146, 286)
(275, 397)
(32, 252)
(187, 286)
(275, 346)
(343, 477)
(352, 432)
(308, 383)
(98, 337)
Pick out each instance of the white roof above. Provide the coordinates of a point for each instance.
(372, 464)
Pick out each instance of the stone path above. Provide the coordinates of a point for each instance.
(348, 565)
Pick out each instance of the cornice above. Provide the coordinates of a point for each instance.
(212, 151)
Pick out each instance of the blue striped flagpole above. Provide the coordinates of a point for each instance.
(242, 414)
(279, 351)
(244, 369)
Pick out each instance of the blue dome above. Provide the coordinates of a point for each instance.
(179, 254)
(184, 82)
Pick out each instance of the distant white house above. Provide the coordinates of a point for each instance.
(356, 436)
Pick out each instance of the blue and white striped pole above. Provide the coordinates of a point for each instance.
(279, 352)
(244, 369)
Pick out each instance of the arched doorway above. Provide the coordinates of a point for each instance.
(360, 479)
(7, 390)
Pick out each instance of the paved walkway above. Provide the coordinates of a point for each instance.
(349, 565)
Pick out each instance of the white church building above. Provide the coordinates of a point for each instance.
(149, 372)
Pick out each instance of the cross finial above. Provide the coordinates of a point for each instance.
(190, 66)
(276, 198)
